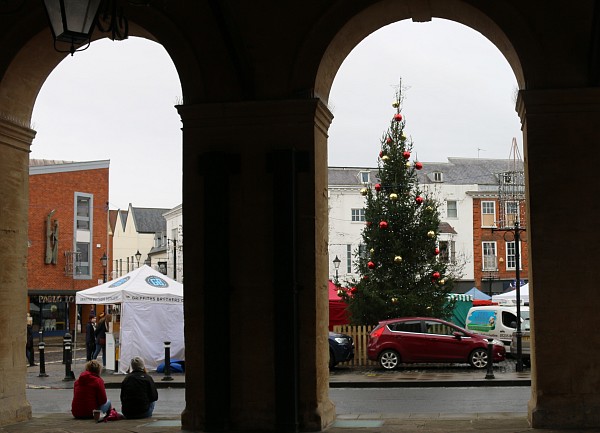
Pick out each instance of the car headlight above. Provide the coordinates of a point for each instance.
(340, 340)
(497, 342)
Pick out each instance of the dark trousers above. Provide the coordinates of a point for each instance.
(90, 348)
(30, 355)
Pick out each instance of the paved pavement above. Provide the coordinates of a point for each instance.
(340, 377)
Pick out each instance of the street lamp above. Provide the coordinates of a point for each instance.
(72, 22)
(138, 256)
(104, 261)
(336, 265)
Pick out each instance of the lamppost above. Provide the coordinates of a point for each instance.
(336, 265)
(138, 256)
(104, 261)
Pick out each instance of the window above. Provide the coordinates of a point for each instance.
(83, 235)
(348, 258)
(511, 213)
(438, 176)
(511, 258)
(362, 250)
(488, 213)
(438, 328)
(410, 326)
(451, 209)
(358, 215)
(489, 256)
(365, 177)
(447, 251)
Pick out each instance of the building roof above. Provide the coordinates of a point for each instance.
(446, 228)
(49, 166)
(457, 171)
(149, 220)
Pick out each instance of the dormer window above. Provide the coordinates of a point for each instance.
(365, 177)
(438, 176)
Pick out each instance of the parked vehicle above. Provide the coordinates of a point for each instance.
(428, 340)
(525, 347)
(498, 321)
(341, 348)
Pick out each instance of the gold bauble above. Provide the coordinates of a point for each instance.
(431, 233)
(408, 164)
(395, 104)
(429, 208)
(397, 259)
(393, 196)
(385, 158)
(364, 191)
(403, 136)
(442, 281)
(340, 292)
(394, 300)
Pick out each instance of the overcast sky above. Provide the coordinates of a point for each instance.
(116, 101)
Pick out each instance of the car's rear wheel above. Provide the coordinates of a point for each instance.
(389, 359)
(478, 358)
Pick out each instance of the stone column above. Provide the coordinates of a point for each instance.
(562, 155)
(15, 141)
(255, 211)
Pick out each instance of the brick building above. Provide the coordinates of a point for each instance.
(68, 235)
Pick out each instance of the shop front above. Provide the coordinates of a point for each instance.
(52, 312)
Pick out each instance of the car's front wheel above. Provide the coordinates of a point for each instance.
(478, 358)
(389, 359)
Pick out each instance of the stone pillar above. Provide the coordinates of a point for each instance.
(562, 155)
(15, 141)
(255, 210)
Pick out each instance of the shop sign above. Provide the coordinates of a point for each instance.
(52, 299)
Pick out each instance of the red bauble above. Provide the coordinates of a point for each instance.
(436, 275)
(383, 225)
(406, 154)
(369, 223)
(419, 199)
(437, 251)
(377, 187)
(365, 277)
(389, 140)
(381, 153)
(418, 165)
(353, 290)
(371, 265)
(398, 117)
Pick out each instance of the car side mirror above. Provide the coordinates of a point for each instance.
(513, 324)
(457, 335)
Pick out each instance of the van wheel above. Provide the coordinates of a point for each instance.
(389, 359)
(478, 358)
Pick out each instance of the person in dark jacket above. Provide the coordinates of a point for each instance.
(90, 338)
(29, 344)
(89, 393)
(138, 392)
(101, 330)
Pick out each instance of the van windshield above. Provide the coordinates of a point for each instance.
(525, 324)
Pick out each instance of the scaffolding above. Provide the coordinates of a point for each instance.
(511, 191)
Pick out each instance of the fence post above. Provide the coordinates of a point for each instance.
(68, 356)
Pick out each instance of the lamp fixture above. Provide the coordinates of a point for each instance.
(73, 21)
(138, 256)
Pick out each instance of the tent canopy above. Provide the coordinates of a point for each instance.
(338, 315)
(478, 294)
(151, 313)
(511, 297)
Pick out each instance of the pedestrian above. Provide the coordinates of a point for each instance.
(138, 391)
(29, 352)
(90, 337)
(89, 393)
(101, 330)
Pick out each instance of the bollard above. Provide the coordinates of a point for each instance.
(69, 375)
(490, 357)
(41, 346)
(167, 361)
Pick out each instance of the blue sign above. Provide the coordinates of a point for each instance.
(155, 281)
(119, 282)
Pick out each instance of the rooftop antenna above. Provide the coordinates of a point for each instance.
(479, 149)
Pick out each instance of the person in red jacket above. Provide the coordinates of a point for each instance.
(89, 393)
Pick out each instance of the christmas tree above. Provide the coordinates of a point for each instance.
(399, 264)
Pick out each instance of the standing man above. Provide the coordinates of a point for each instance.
(29, 344)
(90, 337)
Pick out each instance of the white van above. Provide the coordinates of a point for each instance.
(498, 321)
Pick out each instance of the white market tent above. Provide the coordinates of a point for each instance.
(151, 313)
(511, 297)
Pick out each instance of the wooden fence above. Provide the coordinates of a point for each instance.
(360, 334)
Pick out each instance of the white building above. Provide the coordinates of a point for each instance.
(174, 221)
(452, 183)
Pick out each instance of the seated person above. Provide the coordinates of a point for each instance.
(138, 391)
(89, 393)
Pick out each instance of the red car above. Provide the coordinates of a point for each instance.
(428, 340)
